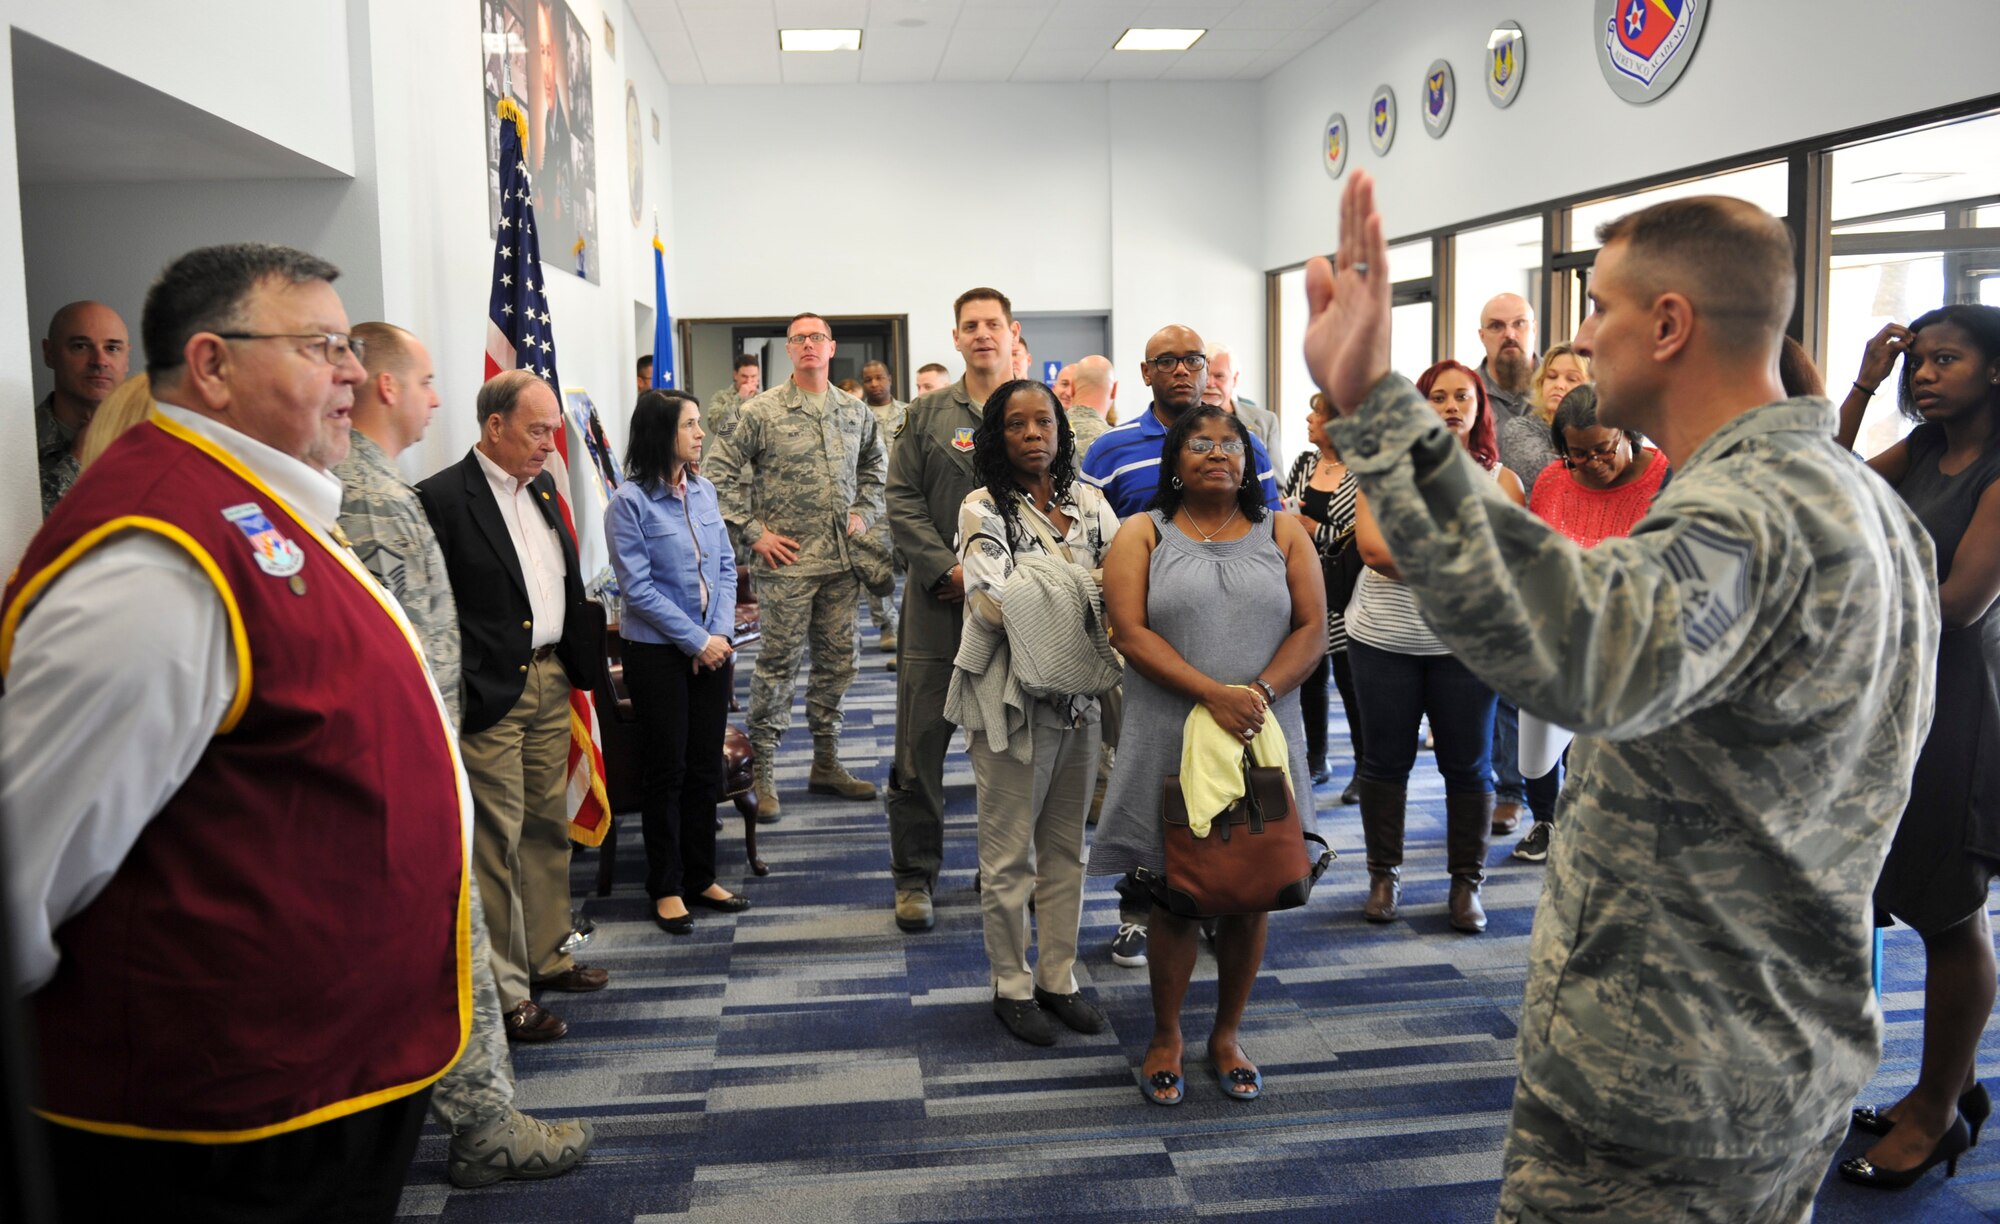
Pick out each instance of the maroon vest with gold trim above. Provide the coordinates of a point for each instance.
(286, 942)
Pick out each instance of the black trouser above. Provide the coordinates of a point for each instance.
(682, 713)
(1545, 790)
(1313, 706)
(349, 1169)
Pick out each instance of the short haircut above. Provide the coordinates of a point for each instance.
(1797, 371)
(747, 359)
(385, 348)
(870, 365)
(656, 429)
(805, 314)
(932, 367)
(981, 294)
(204, 291)
(502, 393)
(1483, 440)
(645, 365)
(1732, 260)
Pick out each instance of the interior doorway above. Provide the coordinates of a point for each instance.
(709, 348)
(1060, 338)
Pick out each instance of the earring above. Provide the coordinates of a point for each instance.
(1174, 481)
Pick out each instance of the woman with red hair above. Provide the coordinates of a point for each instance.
(1402, 672)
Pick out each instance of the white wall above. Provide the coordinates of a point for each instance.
(1766, 72)
(1064, 197)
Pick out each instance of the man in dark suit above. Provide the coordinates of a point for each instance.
(529, 635)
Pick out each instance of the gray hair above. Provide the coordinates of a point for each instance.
(502, 393)
(204, 290)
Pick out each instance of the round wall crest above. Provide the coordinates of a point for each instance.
(1643, 46)
(1440, 95)
(1506, 63)
(1333, 152)
(1382, 120)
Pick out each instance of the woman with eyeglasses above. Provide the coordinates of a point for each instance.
(1600, 484)
(1402, 673)
(1215, 601)
(677, 574)
(1941, 863)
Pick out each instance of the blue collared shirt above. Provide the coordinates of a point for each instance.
(664, 548)
(1124, 462)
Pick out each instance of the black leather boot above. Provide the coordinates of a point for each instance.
(1382, 806)
(1468, 835)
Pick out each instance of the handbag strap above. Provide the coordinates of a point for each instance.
(1049, 543)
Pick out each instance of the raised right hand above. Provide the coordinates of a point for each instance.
(1879, 358)
(778, 551)
(1347, 333)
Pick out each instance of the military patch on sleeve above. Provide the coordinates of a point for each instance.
(1713, 573)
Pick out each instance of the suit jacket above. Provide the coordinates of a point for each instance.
(494, 616)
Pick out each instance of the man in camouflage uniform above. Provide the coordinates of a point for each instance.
(799, 475)
(385, 525)
(877, 393)
(931, 474)
(725, 407)
(1749, 674)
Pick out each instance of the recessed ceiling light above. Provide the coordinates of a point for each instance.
(909, 23)
(819, 40)
(1136, 39)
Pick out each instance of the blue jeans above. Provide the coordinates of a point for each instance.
(1396, 691)
(1508, 785)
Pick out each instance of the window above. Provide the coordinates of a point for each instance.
(1503, 258)
(1413, 319)
(1765, 186)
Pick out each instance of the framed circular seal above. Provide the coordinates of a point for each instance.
(1382, 120)
(1333, 149)
(1506, 63)
(1643, 46)
(635, 153)
(1440, 94)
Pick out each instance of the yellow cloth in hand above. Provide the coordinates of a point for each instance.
(1212, 764)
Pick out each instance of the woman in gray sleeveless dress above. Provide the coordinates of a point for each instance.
(1211, 599)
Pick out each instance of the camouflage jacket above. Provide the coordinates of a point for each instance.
(724, 409)
(1087, 426)
(1750, 676)
(801, 472)
(889, 420)
(385, 524)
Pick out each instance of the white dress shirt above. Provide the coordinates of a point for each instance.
(120, 675)
(535, 547)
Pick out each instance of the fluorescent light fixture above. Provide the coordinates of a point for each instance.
(819, 40)
(1136, 39)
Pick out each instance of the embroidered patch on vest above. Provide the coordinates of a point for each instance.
(274, 554)
(961, 438)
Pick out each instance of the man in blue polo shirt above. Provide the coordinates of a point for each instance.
(1124, 463)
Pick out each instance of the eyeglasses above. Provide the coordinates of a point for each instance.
(807, 338)
(1165, 362)
(1577, 458)
(1201, 446)
(331, 347)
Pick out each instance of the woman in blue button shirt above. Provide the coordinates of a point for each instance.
(678, 576)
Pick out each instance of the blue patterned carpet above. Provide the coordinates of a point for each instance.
(807, 1062)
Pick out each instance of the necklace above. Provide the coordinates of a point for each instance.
(1209, 536)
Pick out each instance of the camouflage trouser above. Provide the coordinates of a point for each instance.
(1556, 1174)
(795, 611)
(480, 1086)
(883, 607)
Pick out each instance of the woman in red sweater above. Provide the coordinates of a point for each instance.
(1602, 483)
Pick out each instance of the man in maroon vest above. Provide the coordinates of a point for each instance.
(236, 878)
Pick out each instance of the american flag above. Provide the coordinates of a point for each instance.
(518, 337)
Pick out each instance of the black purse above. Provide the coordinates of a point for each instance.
(1341, 568)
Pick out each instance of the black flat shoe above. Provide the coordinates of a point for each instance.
(1322, 773)
(683, 925)
(725, 905)
(1975, 1107)
(1352, 795)
(1862, 1172)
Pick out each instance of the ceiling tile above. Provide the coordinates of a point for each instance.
(1121, 13)
(820, 67)
(820, 14)
(899, 56)
(1183, 16)
(1337, 14)
(1195, 65)
(1271, 14)
(1245, 40)
(1075, 40)
(988, 16)
(1133, 65)
(1056, 66)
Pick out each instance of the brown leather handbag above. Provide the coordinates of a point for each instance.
(1255, 859)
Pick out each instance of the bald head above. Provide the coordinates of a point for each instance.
(1176, 388)
(393, 408)
(1094, 379)
(89, 352)
(1507, 332)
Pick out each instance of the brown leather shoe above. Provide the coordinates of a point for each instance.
(1467, 914)
(577, 979)
(530, 1021)
(1506, 818)
(1385, 889)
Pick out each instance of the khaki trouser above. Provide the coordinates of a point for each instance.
(520, 831)
(1031, 847)
(1555, 1174)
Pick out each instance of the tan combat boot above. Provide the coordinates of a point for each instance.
(830, 777)
(766, 787)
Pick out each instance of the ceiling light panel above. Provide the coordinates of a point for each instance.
(819, 40)
(1138, 39)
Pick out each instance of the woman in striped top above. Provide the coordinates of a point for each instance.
(1403, 672)
(1322, 491)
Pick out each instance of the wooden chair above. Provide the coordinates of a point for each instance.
(618, 739)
